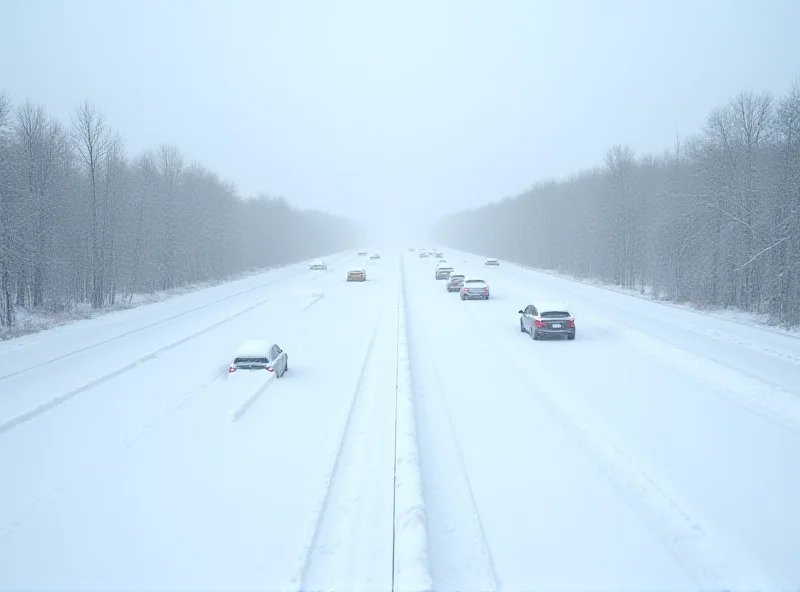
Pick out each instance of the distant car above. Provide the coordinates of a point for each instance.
(356, 274)
(423, 255)
(438, 254)
(411, 249)
(362, 252)
(491, 262)
(455, 281)
(547, 319)
(443, 270)
(318, 265)
(257, 356)
(375, 256)
(474, 288)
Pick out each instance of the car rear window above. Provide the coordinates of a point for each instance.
(476, 282)
(254, 362)
(554, 314)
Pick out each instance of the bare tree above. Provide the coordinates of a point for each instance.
(6, 302)
(93, 141)
(44, 153)
(170, 165)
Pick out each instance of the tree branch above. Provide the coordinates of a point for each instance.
(731, 216)
(761, 253)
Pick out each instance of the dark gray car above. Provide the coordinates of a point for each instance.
(547, 319)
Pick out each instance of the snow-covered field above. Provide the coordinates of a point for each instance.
(417, 442)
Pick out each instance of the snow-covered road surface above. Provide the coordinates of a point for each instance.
(656, 451)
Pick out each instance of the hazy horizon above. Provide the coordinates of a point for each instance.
(394, 114)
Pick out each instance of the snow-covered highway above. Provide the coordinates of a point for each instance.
(417, 442)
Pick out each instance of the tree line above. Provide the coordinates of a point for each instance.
(713, 221)
(82, 223)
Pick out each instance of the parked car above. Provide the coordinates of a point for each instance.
(455, 281)
(547, 319)
(491, 262)
(474, 288)
(257, 356)
(356, 274)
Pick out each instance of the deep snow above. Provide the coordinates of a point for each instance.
(656, 451)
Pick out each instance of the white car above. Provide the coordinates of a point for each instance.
(491, 262)
(455, 281)
(375, 256)
(474, 288)
(362, 252)
(319, 264)
(356, 274)
(257, 356)
(443, 270)
(547, 319)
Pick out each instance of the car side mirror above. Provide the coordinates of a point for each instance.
(521, 312)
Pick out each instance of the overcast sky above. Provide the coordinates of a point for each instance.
(392, 111)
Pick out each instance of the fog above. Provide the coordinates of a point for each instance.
(390, 114)
(393, 112)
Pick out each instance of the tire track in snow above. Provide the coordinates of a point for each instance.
(706, 561)
(98, 468)
(460, 556)
(686, 324)
(350, 546)
(775, 404)
(153, 324)
(59, 400)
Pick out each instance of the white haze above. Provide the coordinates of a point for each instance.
(394, 113)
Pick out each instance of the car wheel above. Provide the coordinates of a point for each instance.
(521, 327)
(571, 337)
(534, 335)
(462, 297)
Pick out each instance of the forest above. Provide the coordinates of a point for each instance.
(713, 221)
(83, 226)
